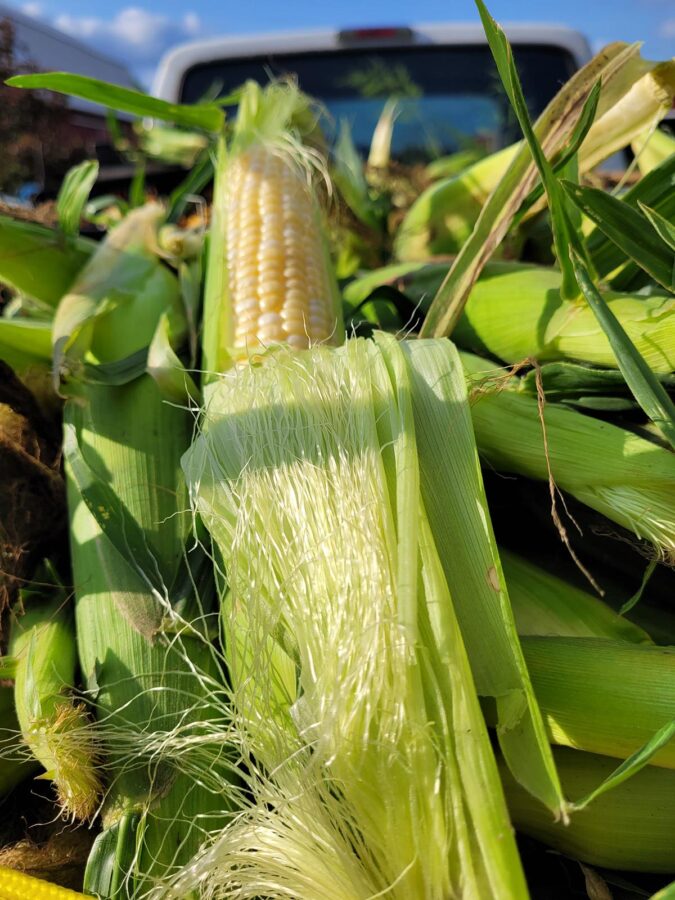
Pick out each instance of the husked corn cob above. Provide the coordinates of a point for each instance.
(279, 286)
(269, 279)
(16, 885)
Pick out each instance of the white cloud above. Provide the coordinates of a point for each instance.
(133, 36)
(36, 10)
(667, 28)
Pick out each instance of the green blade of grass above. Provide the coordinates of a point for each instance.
(614, 67)
(207, 116)
(73, 195)
(645, 387)
(629, 229)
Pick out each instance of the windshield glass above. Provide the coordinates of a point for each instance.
(449, 98)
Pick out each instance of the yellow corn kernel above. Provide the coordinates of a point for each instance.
(16, 885)
(279, 286)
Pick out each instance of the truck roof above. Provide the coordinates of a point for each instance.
(174, 64)
(50, 50)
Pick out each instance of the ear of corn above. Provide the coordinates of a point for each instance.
(603, 696)
(546, 605)
(16, 885)
(630, 827)
(268, 279)
(635, 94)
(53, 724)
(625, 477)
(306, 474)
(519, 314)
(453, 492)
(147, 667)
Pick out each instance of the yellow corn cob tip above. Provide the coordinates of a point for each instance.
(278, 285)
(16, 885)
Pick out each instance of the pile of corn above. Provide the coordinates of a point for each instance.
(345, 610)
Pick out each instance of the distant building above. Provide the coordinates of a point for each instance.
(50, 50)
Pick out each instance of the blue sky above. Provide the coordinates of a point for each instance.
(138, 33)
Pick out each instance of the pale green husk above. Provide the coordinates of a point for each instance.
(544, 604)
(621, 475)
(630, 827)
(519, 314)
(350, 679)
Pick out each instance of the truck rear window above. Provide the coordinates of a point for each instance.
(450, 97)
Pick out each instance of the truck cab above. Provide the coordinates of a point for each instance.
(443, 76)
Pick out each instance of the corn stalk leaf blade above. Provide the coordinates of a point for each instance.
(630, 766)
(73, 195)
(630, 230)
(656, 189)
(616, 66)
(207, 116)
(660, 224)
(645, 387)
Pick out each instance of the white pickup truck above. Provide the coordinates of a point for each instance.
(443, 75)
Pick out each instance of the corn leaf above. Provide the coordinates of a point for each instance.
(629, 828)
(630, 766)
(73, 195)
(615, 66)
(119, 526)
(564, 234)
(350, 179)
(629, 229)
(208, 116)
(565, 380)
(664, 228)
(173, 379)
(200, 174)
(645, 387)
(656, 190)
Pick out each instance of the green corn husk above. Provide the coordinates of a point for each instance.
(54, 725)
(634, 96)
(604, 696)
(350, 677)
(443, 216)
(38, 261)
(629, 828)
(152, 675)
(519, 314)
(546, 605)
(621, 475)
